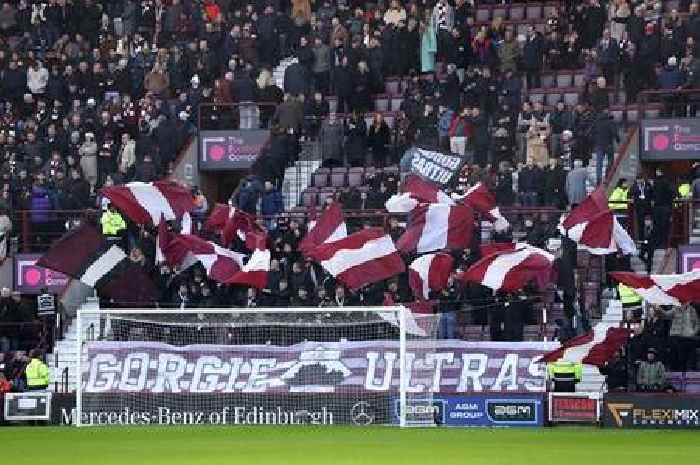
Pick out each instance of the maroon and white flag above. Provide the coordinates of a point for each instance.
(146, 203)
(232, 222)
(416, 191)
(663, 289)
(596, 347)
(595, 228)
(429, 273)
(437, 227)
(329, 227)
(483, 201)
(222, 265)
(511, 270)
(84, 254)
(359, 259)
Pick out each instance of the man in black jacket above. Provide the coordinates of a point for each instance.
(642, 196)
(604, 135)
(533, 54)
(663, 195)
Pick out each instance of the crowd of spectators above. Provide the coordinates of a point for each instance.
(96, 93)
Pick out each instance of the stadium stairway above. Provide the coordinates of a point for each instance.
(592, 380)
(694, 237)
(298, 176)
(278, 72)
(64, 358)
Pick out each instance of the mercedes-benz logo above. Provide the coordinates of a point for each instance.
(362, 413)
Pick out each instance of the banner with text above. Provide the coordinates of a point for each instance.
(670, 139)
(651, 411)
(33, 279)
(432, 165)
(447, 366)
(230, 150)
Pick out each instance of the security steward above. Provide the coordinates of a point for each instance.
(564, 375)
(36, 372)
(617, 202)
(113, 223)
(631, 301)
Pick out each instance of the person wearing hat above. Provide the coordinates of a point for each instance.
(671, 79)
(651, 374)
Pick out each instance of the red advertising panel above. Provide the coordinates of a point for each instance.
(566, 407)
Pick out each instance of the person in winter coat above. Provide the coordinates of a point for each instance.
(428, 48)
(555, 185)
(355, 145)
(604, 135)
(378, 139)
(37, 78)
(271, 204)
(88, 159)
(509, 53)
(671, 78)
(331, 138)
(537, 145)
(576, 183)
(321, 66)
(685, 326)
(459, 132)
(533, 54)
(296, 79)
(343, 84)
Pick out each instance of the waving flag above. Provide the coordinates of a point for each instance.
(222, 265)
(437, 227)
(416, 191)
(596, 347)
(510, 271)
(146, 203)
(495, 247)
(594, 227)
(663, 289)
(329, 227)
(232, 222)
(429, 273)
(483, 201)
(84, 254)
(359, 259)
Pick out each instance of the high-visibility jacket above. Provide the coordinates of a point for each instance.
(627, 295)
(618, 199)
(37, 374)
(684, 191)
(112, 223)
(565, 371)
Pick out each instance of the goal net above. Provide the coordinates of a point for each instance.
(318, 366)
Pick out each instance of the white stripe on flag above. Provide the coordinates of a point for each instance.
(259, 261)
(496, 272)
(345, 259)
(207, 261)
(434, 236)
(422, 266)
(341, 232)
(578, 353)
(103, 265)
(152, 200)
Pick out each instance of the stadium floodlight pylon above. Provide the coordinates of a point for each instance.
(249, 366)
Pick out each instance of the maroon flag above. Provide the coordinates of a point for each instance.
(328, 228)
(362, 258)
(437, 227)
(596, 347)
(84, 254)
(663, 289)
(429, 272)
(146, 203)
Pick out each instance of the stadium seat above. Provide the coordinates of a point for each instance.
(396, 103)
(547, 80)
(320, 177)
(324, 194)
(651, 112)
(517, 12)
(632, 114)
(571, 98)
(552, 98)
(536, 97)
(338, 177)
(308, 197)
(499, 12)
(392, 87)
(579, 79)
(533, 11)
(564, 79)
(483, 14)
(355, 177)
(381, 103)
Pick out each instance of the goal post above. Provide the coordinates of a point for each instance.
(254, 366)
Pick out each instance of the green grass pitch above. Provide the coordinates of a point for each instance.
(344, 445)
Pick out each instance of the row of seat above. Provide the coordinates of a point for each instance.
(341, 176)
(394, 87)
(516, 12)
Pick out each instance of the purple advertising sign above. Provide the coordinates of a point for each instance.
(445, 366)
(689, 258)
(230, 150)
(31, 279)
(670, 139)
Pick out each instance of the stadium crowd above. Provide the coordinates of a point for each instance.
(97, 93)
